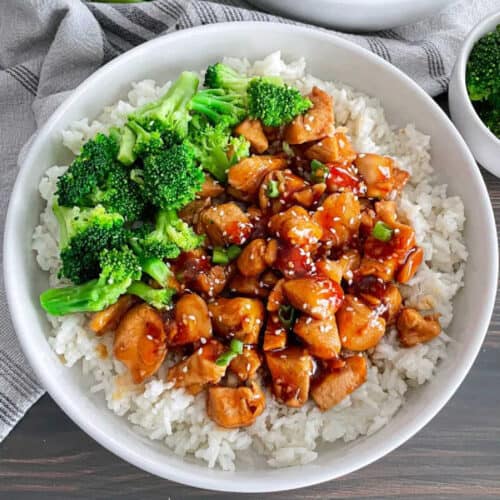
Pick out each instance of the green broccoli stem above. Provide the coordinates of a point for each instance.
(216, 105)
(157, 269)
(126, 154)
(90, 297)
(160, 298)
(62, 215)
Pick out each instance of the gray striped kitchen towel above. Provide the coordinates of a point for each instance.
(47, 47)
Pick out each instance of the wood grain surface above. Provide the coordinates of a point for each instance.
(456, 456)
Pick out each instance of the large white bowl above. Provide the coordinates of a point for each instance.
(355, 15)
(483, 143)
(328, 57)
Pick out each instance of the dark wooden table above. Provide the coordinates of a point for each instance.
(456, 456)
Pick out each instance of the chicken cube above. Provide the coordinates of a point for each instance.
(191, 321)
(333, 387)
(318, 297)
(253, 132)
(226, 224)
(246, 364)
(140, 342)
(320, 335)
(413, 328)
(199, 369)
(291, 371)
(235, 407)
(240, 317)
(275, 334)
(316, 123)
(360, 328)
(108, 319)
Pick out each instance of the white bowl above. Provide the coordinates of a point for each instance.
(484, 145)
(354, 15)
(328, 57)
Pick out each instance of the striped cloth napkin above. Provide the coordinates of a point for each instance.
(47, 47)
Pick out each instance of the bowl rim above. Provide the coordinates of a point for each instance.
(179, 474)
(472, 38)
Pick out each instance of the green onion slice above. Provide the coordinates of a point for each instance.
(219, 256)
(382, 231)
(236, 346)
(287, 315)
(233, 251)
(287, 149)
(225, 358)
(319, 171)
(272, 189)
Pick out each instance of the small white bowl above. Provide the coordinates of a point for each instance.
(355, 15)
(485, 146)
(330, 58)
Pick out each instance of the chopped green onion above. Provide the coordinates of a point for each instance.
(236, 346)
(233, 251)
(136, 174)
(287, 315)
(287, 149)
(219, 256)
(272, 189)
(382, 231)
(225, 358)
(319, 171)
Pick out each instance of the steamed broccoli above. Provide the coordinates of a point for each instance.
(95, 177)
(219, 106)
(483, 67)
(170, 178)
(170, 229)
(483, 79)
(215, 148)
(119, 267)
(168, 116)
(160, 298)
(267, 98)
(83, 234)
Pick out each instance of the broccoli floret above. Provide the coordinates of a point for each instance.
(160, 298)
(83, 234)
(95, 177)
(215, 148)
(267, 98)
(275, 105)
(145, 142)
(169, 116)
(119, 268)
(220, 76)
(219, 106)
(170, 178)
(171, 229)
(483, 67)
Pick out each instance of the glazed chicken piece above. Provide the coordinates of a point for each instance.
(199, 369)
(275, 335)
(326, 150)
(251, 286)
(241, 318)
(316, 123)
(246, 364)
(291, 371)
(343, 176)
(411, 265)
(245, 177)
(210, 188)
(360, 327)
(276, 297)
(191, 213)
(310, 195)
(380, 174)
(320, 335)
(339, 216)
(235, 407)
(286, 185)
(257, 256)
(296, 227)
(191, 321)
(317, 297)
(253, 132)
(108, 319)
(413, 328)
(140, 342)
(212, 282)
(343, 268)
(334, 386)
(226, 224)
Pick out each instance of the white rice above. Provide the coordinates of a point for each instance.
(283, 435)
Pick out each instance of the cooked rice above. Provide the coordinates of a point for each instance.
(285, 436)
